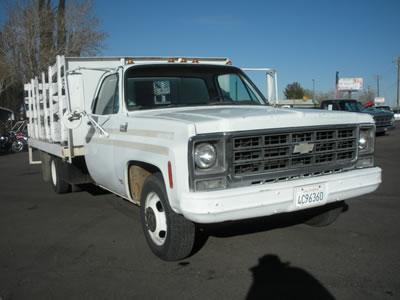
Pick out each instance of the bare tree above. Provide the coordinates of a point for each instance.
(319, 96)
(35, 31)
(5, 79)
(83, 36)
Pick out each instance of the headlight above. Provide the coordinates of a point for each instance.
(208, 162)
(366, 140)
(362, 142)
(205, 155)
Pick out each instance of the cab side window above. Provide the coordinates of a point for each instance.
(107, 102)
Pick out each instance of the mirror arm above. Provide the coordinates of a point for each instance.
(97, 125)
(70, 118)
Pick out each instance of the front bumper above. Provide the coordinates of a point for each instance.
(380, 129)
(273, 198)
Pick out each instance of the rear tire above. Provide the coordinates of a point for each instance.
(169, 235)
(327, 217)
(60, 186)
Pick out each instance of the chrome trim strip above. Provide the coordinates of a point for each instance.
(133, 145)
(167, 135)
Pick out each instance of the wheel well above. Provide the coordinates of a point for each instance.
(137, 173)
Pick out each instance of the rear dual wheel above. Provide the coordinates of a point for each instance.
(60, 186)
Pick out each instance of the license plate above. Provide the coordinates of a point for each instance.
(310, 195)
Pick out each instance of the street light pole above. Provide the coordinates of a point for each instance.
(398, 82)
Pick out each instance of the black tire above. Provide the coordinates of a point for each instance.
(177, 240)
(75, 188)
(17, 146)
(45, 166)
(60, 186)
(383, 133)
(327, 217)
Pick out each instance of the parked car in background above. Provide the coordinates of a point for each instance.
(384, 119)
(16, 139)
(396, 112)
(384, 107)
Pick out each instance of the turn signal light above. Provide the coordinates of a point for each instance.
(170, 178)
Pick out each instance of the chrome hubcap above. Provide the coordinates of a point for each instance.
(156, 221)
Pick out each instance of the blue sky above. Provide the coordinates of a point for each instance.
(302, 39)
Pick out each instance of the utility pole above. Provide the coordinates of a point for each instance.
(337, 85)
(377, 85)
(313, 89)
(398, 81)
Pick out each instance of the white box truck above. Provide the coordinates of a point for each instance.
(193, 141)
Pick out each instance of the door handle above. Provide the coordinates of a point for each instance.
(123, 127)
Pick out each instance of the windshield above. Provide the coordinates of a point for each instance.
(149, 87)
(353, 106)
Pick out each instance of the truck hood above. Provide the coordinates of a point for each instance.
(238, 118)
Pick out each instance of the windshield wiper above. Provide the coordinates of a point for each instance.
(243, 102)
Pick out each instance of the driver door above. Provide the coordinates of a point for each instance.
(99, 146)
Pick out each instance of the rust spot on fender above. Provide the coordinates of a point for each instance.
(137, 176)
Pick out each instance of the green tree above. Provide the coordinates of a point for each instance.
(294, 91)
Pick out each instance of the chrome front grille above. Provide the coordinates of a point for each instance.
(293, 152)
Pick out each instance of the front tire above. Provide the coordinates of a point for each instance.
(169, 235)
(60, 186)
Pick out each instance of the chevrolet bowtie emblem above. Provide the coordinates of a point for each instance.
(303, 148)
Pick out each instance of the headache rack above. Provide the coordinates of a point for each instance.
(266, 156)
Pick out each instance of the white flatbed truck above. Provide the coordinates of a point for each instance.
(193, 141)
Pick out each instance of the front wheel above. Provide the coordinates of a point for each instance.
(169, 235)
